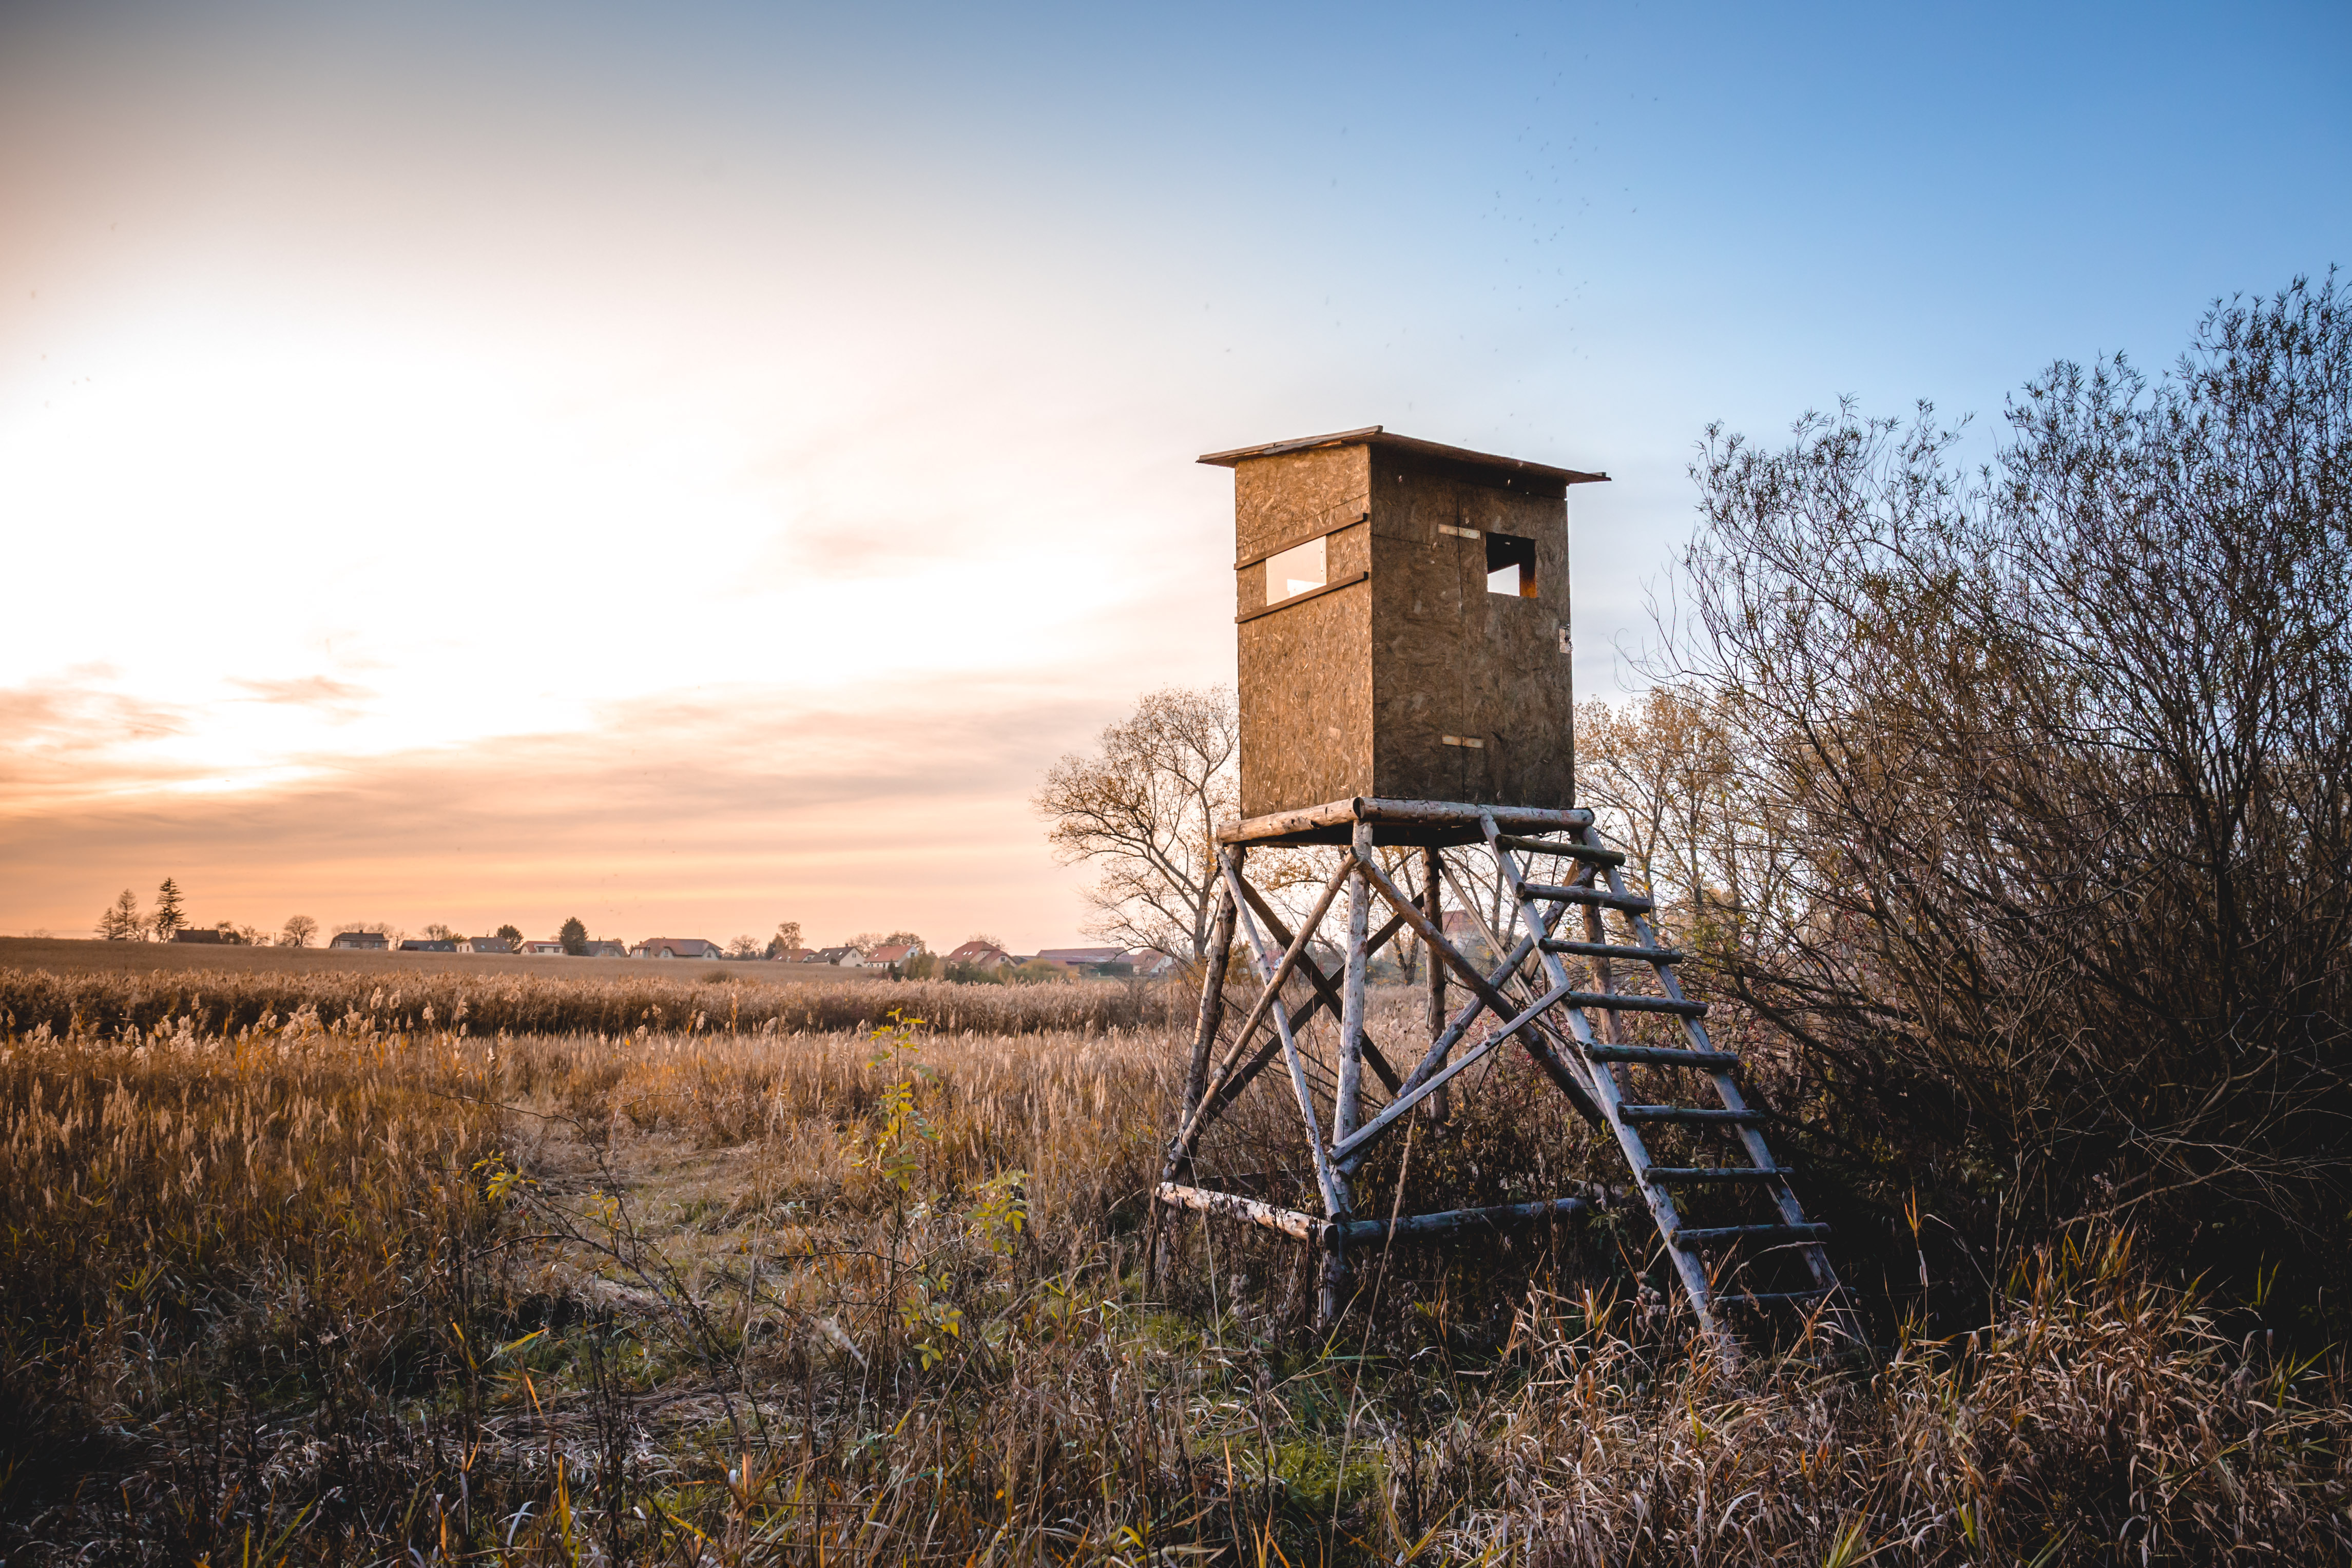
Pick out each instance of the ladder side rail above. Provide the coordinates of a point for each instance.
(1688, 1266)
(1726, 1088)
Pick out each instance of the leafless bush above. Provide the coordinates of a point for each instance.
(2051, 765)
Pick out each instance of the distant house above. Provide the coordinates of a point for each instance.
(1149, 963)
(486, 945)
(543, 949)
(981, 956)
(360, 941)
(413, 944)
(1080, 960)
(601, 949)
(676, 947)
(890, 954)
(850, 957)
(793, 956)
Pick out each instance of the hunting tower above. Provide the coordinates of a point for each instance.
(1402, 610)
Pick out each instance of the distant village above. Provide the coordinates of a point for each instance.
(901, 959)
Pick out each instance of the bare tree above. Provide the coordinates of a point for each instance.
(2062, 752)
(787, 938)
(297, 932)
(1144, 809)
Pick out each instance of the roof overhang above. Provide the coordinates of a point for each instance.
(1378, 435)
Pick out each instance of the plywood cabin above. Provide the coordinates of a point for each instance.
(1402, 611)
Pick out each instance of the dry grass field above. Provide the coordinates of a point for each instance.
(343, 1283)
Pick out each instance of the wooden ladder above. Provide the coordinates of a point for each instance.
(1702, 1256)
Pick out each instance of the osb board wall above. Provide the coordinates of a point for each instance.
(1450, 658)
(1279, 501)
(1349, 692)
(1306, 696)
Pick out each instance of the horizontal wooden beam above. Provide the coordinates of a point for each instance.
(1660, 1056)
(1330, 1235)
(1690, 1174)
(1687, 1114)
(1633, 903)
(1627, 1002)
(1585, 852)
(1613, 950)
(1289, 1222)
(1455, 1221)
(1451, 814)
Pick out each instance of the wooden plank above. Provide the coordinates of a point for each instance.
(1622, 1001)
(1334, 1187)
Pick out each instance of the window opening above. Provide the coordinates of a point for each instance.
(1510, 566)
(1295, 572)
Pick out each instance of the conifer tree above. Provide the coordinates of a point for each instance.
(167, 918)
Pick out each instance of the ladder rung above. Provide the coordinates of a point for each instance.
(1660, 1056)
(1751, 1232)
(1624, 1002)
(1717, 1173)
(1584, 853)
(1685, 1113)
(1612, 950)
(1632, 902)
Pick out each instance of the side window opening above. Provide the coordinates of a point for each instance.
(1295, 572)
(1511, 566)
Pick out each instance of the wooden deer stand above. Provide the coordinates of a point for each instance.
(1402, 615)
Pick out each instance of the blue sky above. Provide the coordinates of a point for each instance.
(481, 462)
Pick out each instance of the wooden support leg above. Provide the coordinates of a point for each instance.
(1344, 1113)
(1441, 1104)
(1217, 960)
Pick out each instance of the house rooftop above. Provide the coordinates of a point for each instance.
(1378, 435)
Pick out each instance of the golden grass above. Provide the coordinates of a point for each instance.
(367, 1291)
(634, 1000)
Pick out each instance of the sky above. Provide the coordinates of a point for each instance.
(694, 466)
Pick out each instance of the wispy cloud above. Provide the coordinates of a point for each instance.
(337, 700)
(713, 811)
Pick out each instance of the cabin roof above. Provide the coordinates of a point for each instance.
(1378, 435)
